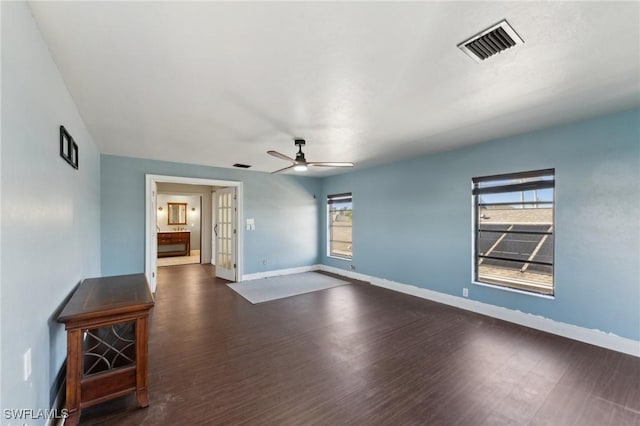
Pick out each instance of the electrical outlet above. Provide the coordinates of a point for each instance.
(465, 292)
(26, 363)
(264, 261)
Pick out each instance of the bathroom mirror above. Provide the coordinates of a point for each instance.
(177, 213)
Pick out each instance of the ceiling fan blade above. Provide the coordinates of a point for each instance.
(282, 170)
(281, 156)
(329, 164)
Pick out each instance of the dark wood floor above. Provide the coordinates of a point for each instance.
(361, 355)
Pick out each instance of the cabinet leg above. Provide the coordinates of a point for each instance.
(142, 331)
(143, 398)
(74, 365)
(72, 419)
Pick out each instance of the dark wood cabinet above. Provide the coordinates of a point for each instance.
(107, 322)
(174, 244)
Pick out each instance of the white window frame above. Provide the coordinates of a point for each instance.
(338, 197)
(475, 223)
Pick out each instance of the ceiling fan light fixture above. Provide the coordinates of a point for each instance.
(300, 163)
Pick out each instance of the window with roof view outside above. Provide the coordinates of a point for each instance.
(514, 230)
(340, 221)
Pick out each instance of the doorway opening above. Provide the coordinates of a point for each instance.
(184, 215)
(182, 219)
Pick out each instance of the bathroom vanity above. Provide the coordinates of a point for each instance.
(174, 243)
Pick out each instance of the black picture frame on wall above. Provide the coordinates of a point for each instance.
(68, 148)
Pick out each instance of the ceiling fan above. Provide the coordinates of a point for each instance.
(300, 163)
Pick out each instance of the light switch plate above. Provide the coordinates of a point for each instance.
(26, 361)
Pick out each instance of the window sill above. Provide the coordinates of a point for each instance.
(514, 290)
(339, 257)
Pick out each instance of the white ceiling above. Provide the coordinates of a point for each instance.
(220, 83)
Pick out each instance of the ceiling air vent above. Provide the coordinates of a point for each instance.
(241, 166)
(493, 40)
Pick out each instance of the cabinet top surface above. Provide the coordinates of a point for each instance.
(173, 232)
(107, 296)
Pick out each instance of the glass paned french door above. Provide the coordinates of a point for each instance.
(225, 232)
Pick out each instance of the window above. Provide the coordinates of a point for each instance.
(339, 222)
(514, 230)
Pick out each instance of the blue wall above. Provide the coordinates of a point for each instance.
(412, 220)
(50, 212)
(283, 206)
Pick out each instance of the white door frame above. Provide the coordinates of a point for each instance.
(153, 229)
(149, 217)
(213, 224)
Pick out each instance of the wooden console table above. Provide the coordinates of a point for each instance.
(175, 238)
(107, 323)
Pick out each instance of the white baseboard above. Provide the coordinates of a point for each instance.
(346, 273)
(594, 337)
(278, 272)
